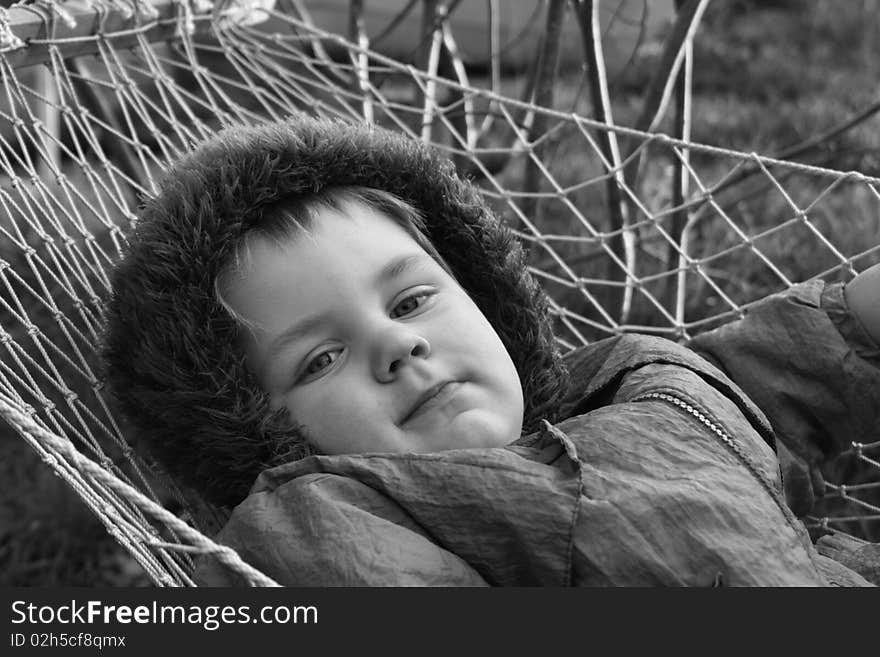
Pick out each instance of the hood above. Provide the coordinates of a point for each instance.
(169, 350)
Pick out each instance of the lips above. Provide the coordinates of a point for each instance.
(429, 398)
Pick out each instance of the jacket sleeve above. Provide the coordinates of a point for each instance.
(328, 530)
(814, 371)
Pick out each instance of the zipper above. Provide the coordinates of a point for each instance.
(724, 437)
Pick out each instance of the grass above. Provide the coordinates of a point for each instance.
(48, 537)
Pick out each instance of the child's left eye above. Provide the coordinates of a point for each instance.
(410, 304)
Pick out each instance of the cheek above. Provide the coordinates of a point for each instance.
(343, 418)
(473, 333)
(479, 344)
(332, 407)
(468, 325)
(316, 408)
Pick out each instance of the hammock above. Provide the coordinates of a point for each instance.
(99, 95)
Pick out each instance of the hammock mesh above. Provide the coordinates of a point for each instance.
(98, 97)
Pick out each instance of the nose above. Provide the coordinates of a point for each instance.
(395, 346)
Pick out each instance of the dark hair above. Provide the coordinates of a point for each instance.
(171, 353)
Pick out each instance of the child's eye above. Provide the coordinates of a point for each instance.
(411, 303)
(320, 362)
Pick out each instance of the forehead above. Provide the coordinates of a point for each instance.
(353, 238)
(343, 254)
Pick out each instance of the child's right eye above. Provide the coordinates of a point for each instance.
(320, 363)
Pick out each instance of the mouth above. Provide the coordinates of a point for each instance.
(433, 396)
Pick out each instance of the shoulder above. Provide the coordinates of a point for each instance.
(318, 528)
(634, 388)
(631, 364)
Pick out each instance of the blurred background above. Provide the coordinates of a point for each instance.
(779, 78)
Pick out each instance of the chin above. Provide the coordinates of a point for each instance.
(478, 428)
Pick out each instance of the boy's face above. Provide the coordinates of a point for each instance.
(370, 344)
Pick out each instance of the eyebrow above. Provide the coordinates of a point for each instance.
(294, 332)
(400, 265)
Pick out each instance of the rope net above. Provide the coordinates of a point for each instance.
(627, 231)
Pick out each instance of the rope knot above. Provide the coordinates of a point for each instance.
(8, 39)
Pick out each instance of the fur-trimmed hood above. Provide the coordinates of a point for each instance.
(170, 351)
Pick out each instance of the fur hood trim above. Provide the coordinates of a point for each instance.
(170, 348)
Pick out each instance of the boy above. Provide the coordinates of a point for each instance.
(329, 310)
